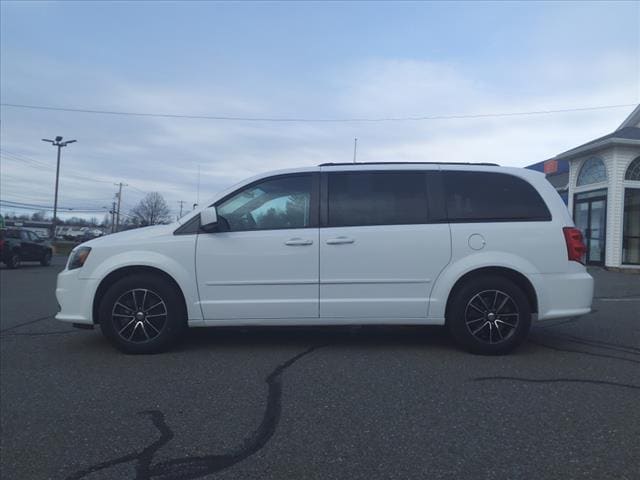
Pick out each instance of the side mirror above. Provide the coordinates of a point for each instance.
(208, 218)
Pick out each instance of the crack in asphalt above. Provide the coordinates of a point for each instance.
(186, 468)
(37, 334)
(616, 347)
(583, 352)
(558, 380)
(24, 324)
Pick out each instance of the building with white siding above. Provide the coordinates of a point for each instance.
(604, 194)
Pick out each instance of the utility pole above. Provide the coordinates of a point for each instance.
(56, 143)
(181, 202)
(119, 195)
(355, 148)
(113, 217)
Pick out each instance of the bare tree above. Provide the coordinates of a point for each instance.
(152, 210)
(38, 216)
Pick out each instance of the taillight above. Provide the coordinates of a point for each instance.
(575, 246)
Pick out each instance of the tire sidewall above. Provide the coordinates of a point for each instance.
(176, 315)
(456, 315)
(14, 260)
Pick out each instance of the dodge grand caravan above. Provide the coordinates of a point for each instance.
(482, 249)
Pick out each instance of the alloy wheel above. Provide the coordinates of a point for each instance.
(139, 315)
(492, 316)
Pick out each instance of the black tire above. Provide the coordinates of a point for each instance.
(45, 261)
(144, 335)
(503, 315)
(14, 259)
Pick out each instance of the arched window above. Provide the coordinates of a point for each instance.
(592, 171)
(633, 172)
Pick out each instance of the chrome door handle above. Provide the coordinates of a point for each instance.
(296, 242)
(340, 240)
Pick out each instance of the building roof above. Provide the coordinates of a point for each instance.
(623, 136)
(630, 133)
(633, 120)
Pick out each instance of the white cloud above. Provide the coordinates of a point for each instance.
(160, 154)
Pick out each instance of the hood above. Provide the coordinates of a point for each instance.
(129, 236)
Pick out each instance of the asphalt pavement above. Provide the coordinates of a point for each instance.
(318, 403)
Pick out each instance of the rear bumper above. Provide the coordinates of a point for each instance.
(563, 294)
(75, 297)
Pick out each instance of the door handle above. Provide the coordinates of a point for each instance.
(297, 242)
(340, 241)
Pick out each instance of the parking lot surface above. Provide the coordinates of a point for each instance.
(318, 403)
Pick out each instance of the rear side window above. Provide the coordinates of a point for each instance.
(376, 198)
(492, 197)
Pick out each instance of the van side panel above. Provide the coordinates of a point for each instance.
(536, 249)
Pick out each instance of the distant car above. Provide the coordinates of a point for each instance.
(482, 249)
(18, 245)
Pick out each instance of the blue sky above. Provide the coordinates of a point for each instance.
(298, 59)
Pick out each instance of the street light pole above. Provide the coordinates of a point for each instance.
(56, 143)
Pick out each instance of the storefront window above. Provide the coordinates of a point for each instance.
(633, 172)
(592, 171)
(631, 228)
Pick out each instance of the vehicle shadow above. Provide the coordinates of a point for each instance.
(361, 336)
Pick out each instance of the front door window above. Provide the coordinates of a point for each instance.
(275, 204)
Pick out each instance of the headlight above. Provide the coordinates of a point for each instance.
(78, 257)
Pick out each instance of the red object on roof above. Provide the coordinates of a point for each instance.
(551, 166)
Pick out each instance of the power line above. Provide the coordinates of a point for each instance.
(10, 203)
(36, 163)
(137, 189)
(31, 209)
(40, 205)
(312, 120)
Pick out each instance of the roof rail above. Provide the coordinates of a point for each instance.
(332, 164)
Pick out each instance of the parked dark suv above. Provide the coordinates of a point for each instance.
(17, 245)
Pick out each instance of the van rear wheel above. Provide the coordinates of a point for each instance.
(489, 315)
(142, 313)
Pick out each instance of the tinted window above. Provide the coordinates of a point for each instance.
(376, 198)
(12, 233)
(485, 196)
(282, 202)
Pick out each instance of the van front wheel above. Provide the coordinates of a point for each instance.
(142, 313)
(489, 315)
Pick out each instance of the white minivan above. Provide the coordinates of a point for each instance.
(482, 249)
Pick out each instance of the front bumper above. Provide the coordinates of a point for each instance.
(563, 294)
(75, 297)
